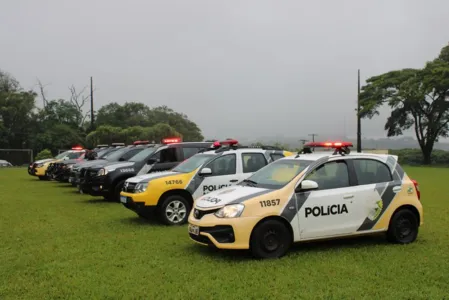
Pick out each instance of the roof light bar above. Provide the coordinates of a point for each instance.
(171, 140)
(77, 148)
(336, 144)
(141, 142)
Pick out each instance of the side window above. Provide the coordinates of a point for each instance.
(331, 175)
(131, 153)
(276, 156)
(223, 165)
(252, 162)
(189, 152)
(370, 171)
(168, 155)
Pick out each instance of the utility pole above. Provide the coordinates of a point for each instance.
(303, 141)
(91, 104)
(313, 135)
(359, 126)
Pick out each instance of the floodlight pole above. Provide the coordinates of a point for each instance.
(359, 127)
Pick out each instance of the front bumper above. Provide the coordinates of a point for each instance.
(230, 233)
(94, 185)
(138, 207)
(31, 171)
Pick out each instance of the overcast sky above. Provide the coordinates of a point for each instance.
(237, 68)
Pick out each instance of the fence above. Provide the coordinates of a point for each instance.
(17, 157)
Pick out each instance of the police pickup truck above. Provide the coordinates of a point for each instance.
(108, 180)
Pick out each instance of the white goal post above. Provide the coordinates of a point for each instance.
(17, 157)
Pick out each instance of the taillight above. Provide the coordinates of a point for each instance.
(415, 183)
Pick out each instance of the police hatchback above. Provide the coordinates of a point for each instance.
(311, 196)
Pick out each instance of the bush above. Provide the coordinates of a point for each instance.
(414, 157)
(44, 154)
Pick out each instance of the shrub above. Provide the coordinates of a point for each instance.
(44, 154)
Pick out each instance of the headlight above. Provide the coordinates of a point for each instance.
(70, 166)
(102, 172)
(230, 211)
(39, 165)
(141, 187)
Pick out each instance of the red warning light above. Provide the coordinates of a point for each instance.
(171, 140)
(141, 142)
(77, 148)
(329, 144)
(229, 142)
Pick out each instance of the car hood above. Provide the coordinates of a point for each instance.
(148, 177)
(43, 160)
(229, 195)
(71, 161)
(89, 163)
(117, 164)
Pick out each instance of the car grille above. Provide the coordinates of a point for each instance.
(129, 187)
(198, 214)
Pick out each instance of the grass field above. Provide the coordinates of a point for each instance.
(56, 243)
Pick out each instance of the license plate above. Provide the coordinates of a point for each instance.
(70, 180)
(193, 229)
(123, 199)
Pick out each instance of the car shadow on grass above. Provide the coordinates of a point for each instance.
(96, 200)
(297, 248)
(139, 221)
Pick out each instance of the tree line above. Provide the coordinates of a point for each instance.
(62, 123)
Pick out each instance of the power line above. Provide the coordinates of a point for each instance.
(303, 141)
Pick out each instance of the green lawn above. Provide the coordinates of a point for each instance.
(56, 243)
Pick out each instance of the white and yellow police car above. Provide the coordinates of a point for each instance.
(170, 195)
(310, 196)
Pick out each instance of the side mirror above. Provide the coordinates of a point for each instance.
(206, 171)
(152, 161)
(306, 185)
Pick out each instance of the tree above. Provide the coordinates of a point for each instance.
(417, 98)
(16, 112)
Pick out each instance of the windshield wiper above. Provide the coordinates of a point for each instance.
(250, 182)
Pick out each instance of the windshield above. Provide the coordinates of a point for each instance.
(192, 163)
(61, 155)
(277, 174)
(103, 152)
(73, 155)
(115, 155)
(142, 154)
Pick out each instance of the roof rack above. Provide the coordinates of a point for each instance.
(341, 148)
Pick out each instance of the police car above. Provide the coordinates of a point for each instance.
(171, 194)
(311, 196)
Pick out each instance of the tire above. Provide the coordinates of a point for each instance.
(174, 210)
(270, 239)
(403, 228)
(117, 190)
(43, 178)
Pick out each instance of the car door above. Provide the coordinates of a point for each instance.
(251, 162)
(378, 188)
(168, 159)
(332, 209)
(225, 169)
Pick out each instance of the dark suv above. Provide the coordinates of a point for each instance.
(108, 180)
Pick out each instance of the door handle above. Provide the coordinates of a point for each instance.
(233, 180)
(348, 196)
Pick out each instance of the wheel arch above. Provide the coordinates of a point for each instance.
(277, 218)
(410, 207)
(180, 192)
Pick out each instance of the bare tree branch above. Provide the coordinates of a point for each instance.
(42, 92)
